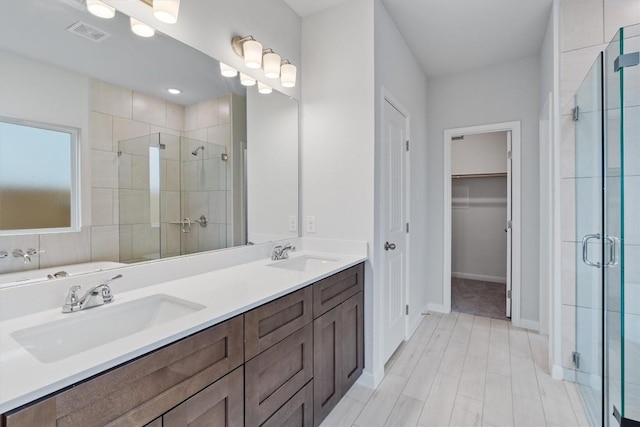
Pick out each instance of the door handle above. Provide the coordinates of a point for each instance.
(388, 246)
(613, 253)
(585, 250)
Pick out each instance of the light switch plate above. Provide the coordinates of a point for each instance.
(293, 223)
(310, 224)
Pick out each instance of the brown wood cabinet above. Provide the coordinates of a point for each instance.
(276, 375)
(219, 405)
(338, 354)
(138, 392)
(270, 323)
(337, 288)
(297, 412)
(301, 353)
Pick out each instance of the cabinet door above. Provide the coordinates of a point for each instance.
(270, 323)
(327, 363)
(334, 290)
(274, 376)
(352, 340)
(297, 412)
(219, 405)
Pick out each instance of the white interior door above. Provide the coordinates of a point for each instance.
(394, 143)
(509, 225)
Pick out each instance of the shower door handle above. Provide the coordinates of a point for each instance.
(585, 250)
(613, 252)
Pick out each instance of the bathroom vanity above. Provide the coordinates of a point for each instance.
(278, 355)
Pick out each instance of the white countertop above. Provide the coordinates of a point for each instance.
(225, 293)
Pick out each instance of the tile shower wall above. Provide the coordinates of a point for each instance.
(120, 114)
(586, 26)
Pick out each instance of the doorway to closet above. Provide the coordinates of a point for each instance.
(482, 199)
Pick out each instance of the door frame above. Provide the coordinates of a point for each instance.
(516, 188)
(386, 96)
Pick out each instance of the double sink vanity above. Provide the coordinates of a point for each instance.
(257, 343)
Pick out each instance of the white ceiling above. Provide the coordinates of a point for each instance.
(449, 36)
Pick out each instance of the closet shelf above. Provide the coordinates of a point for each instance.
(480, 175)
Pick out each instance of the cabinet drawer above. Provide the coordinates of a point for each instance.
(334, 290)
(274, 376)
(219, 405)
(276, 320)
(297, 412)
(138, 392)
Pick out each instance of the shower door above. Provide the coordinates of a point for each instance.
(588, 355)
(622, 225)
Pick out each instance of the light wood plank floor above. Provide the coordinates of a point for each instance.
(463, 370)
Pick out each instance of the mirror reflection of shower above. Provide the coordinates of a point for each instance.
(195, 152)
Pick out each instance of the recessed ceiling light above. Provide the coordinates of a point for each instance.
(174, 91)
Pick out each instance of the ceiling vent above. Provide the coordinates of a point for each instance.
(88, 32)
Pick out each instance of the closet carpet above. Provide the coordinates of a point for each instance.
(486, 299)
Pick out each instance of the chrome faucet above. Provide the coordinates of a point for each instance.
(26, 255)
(97, 295)
(282, 252)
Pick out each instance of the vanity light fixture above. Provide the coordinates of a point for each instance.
(264, 89)
(141, 29)
(246, 80)
(287, 74)
(274, 66)
(166, 10)
(227, 71)
(271, 61)
(248, 48)
(100, 9)
(174, 91)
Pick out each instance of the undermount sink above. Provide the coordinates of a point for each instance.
(84, 330)
(303, 263)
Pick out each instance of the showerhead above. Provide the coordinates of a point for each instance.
(195, 152)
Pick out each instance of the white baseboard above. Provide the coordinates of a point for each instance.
(370, 380)
(561, 373)
(533, 325)
(438, 308)
(483, 278)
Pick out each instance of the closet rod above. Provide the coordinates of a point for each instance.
(480, 175)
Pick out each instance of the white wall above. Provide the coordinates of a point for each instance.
(337, 151)
(479, 153)
(478, 240)
(397, 70)
(504, 92)
(209, 26)
(272, 166)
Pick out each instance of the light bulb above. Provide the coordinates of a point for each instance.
(271, 65)
(227, 71)
(166, 10)
(252, 54)
(288, 75)
(264, 89)
(100, 9)
(141, 29)
(246, 80)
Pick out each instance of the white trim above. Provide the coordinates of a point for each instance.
(514, 127)
(527, 324)
(560, 373)
(438, 308)
(370, 380)
(481, 277)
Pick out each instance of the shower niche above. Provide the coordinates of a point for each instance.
(173, 193)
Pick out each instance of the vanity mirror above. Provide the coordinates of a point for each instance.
(209, 165)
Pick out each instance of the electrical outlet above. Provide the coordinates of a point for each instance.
(310, 224)
(293, 223)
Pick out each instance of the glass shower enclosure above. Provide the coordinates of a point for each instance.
(172, 195)
(607, 357)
